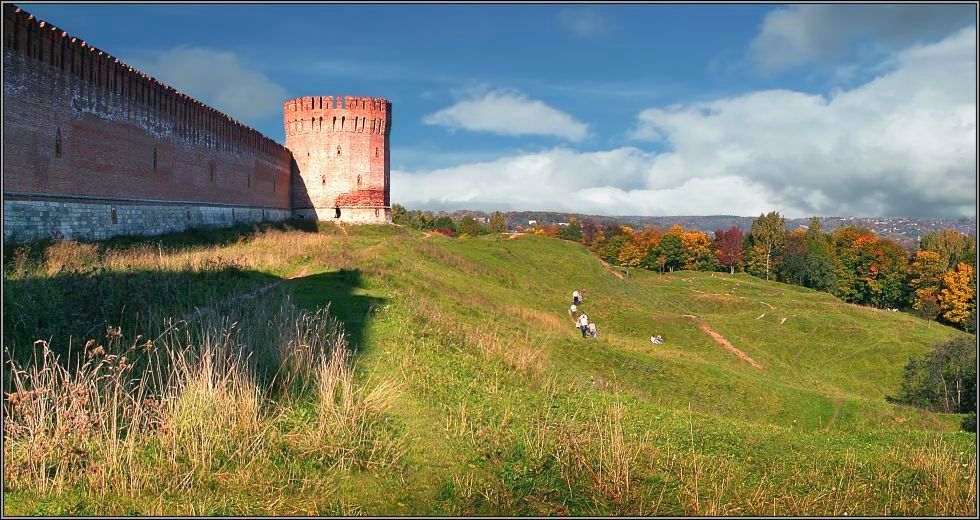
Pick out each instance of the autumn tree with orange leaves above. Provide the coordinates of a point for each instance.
(957, 298)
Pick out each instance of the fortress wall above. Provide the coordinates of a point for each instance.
(94, 148)
(341, 149)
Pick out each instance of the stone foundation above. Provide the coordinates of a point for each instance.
(50, 217)
(349, 215)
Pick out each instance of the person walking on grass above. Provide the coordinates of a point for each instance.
(583, 325)
(592, 329)
(576, 298)
(572, 310)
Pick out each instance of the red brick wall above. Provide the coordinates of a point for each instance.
(111, 120)
(341, 148)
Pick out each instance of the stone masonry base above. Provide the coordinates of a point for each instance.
(30, 219)
(349, 215)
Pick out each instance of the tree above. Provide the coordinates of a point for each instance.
(672, 249)
(613, 247)
(589, 233)
(729, 247)
(573, 231)
(755, 259)
(698, 252)
(952, 246)
(881, 271)
(769, 233)
(469, 226)
(818, 271)
(498, 223)
(794, 262)
(957, 297)
(942, 380)
(632, 253)
(642, 242)
(443, 222)
(848, 271)
(399, 215)
(926, 282)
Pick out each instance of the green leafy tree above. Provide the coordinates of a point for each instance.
(769, 233)
(942, 380)
(498, 223)
(399, 215)
(613, 248)
(952, 246)
(443, 222)
(818, 270)
(573, 231)
(469, 226)
(671, 247)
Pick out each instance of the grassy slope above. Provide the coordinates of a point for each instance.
(507, 410)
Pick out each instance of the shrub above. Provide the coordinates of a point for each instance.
(969, 423)
(943, 380)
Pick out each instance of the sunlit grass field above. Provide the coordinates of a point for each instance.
(378, 370)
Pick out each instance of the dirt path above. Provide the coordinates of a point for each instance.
(201, 311)
(834, 417)
(725, 343)
(514, 235)
(609, 268)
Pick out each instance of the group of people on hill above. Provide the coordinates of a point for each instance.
(582, 320)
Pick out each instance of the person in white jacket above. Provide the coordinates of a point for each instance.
(583, 324)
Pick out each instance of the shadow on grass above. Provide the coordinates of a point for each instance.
(74, 306)
(343, 291)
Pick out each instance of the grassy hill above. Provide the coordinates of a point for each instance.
(473, 393)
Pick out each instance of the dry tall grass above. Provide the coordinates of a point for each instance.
(197, 401)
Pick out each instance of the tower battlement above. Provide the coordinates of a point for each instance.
(336, 114)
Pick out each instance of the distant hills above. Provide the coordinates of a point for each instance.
(904, 230)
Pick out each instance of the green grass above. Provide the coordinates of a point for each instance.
(504, 409)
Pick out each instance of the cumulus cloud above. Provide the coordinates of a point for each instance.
(582, 22)
(903, 143)
(798, 34)
(217, 78)
(508, 112)
(560, 179)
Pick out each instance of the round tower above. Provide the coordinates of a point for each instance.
(341, 150)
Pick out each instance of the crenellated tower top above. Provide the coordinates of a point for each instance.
(337, 114)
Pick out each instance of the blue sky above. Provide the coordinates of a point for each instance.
(611, 109)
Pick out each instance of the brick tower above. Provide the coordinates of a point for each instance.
(340, 146)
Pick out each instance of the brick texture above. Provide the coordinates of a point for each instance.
(80, 125)
(341, 149)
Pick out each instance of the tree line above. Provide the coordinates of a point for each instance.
(937, 281)
(445, 224)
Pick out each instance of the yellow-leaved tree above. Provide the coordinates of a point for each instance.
(927, 281)
(957, 297)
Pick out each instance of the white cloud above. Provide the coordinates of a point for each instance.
(217, 78)
(798, 34)
(903, 143)
(606, 182)
(583, 22)
(508, 112)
